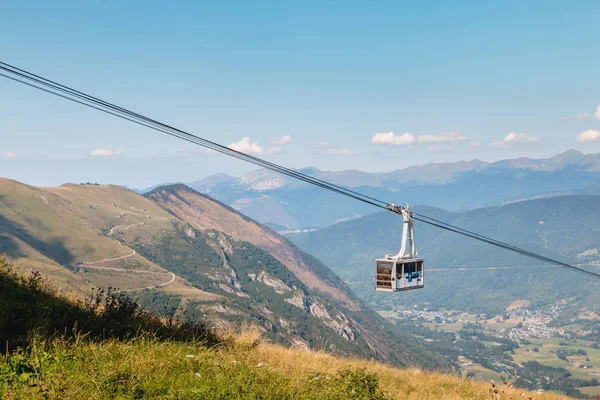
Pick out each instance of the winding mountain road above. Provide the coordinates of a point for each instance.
(160, 285)
(93, 264)
(110, 259)
(112, 230)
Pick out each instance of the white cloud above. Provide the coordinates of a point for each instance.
(584, 116)
(393, 139)
(326, 148)
(439, 148)
(339, 152)
(515, 139)
(285, 139)
(275, 150)
(474, 144)
(10, 154)
(408, 138)
(106, 153)
(442, 138)
(589, 136)
(246, 146)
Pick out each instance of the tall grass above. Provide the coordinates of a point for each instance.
(107, 348)
(30, 308)
(150, 368)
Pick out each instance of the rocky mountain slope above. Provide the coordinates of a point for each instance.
(183, 254)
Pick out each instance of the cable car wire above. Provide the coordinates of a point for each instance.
(132, 117)
(57, 89)
(66, 89)
(513, 249)
(469, 232)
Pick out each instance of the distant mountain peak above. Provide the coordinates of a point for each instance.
(262, 179)
(310, 171)
(569, 156)
(570, 153)
(213, 179)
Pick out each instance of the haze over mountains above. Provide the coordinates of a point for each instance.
(284, 203)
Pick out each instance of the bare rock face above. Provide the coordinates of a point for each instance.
(190, 233)
(277, 284)
(225, 288)
(299, 300)
(224, 243)
(262, 180)
(318, 310)
(339, 324)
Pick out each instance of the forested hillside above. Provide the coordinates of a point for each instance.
(468, 275)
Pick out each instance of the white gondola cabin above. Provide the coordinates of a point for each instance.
(403, 271)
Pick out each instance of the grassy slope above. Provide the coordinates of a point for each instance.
(72, 223)
(48, 229)
(121, 353)
(148, 368)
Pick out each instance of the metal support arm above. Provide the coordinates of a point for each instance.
(408, 233)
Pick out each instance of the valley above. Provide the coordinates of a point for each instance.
(497, 315)
(523, 345)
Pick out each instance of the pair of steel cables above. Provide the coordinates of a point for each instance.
(49, 86)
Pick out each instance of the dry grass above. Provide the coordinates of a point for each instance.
(244, 368)
(148, 365)
(398, 383)
(244, 338)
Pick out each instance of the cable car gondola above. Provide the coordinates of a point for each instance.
(403, 271)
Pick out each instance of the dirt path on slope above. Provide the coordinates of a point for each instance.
(112, 230)
(110, 259)
(160, 285)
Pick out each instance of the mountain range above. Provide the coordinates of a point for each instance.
(468, 275)
(284, 203)
(188, 256)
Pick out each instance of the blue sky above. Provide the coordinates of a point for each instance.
(369, 85)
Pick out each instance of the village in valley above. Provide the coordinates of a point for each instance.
(533, 345)
(517, 323)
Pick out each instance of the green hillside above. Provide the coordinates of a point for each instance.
(107, 348)
(186, 256)
(463, 274)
